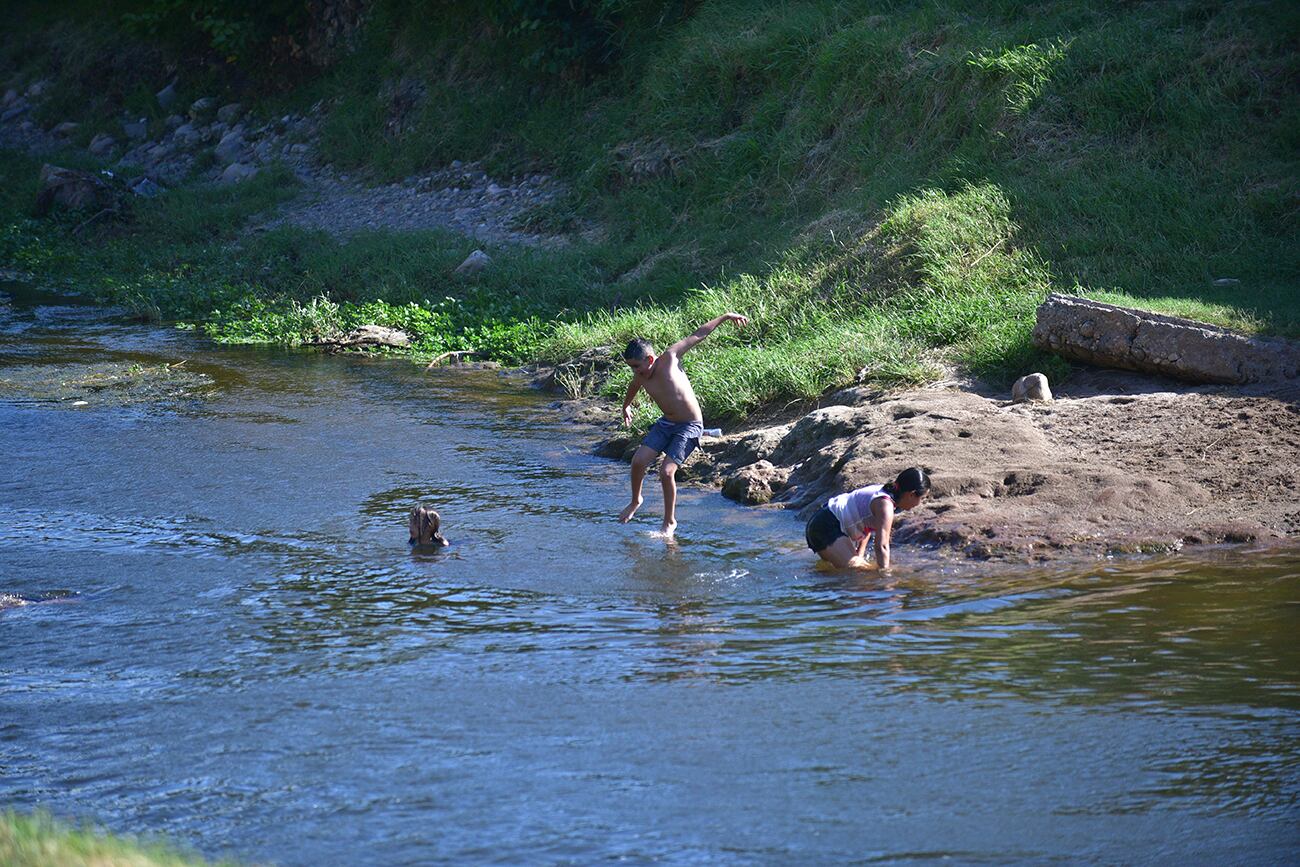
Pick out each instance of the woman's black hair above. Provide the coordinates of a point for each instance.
(912, 480)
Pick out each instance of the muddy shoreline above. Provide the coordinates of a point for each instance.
(1118, 463)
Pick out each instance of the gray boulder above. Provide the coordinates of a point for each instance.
(229, 149)
(230, 113)
(73, 190)
(201, 109)
(144, 187)
(17, 108)
(167, 96)
(237, 173)
(186, 134)
(365, 337)
(756, 483)
(1031, 387)
(136, 130)
(102, 144)
(1111, 336)
(474, 263)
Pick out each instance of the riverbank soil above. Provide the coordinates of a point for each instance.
(1117, 463)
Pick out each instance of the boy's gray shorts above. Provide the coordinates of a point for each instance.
(676, 439)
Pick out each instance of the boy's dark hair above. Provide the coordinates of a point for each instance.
(911, 480)
(639, 348)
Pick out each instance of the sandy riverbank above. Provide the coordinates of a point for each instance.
(1117, 463)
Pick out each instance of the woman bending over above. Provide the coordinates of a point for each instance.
(840, 530)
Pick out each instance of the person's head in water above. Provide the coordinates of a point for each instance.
(426, 527)
(909, 489)
(640, 356)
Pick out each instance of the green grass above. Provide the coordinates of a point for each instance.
(887, 188)
(40, 841)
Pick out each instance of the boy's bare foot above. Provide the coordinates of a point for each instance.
(629, 511)
(667, 530)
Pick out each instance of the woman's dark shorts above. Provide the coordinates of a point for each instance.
(822, 530)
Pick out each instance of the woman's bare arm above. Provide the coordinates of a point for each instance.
(886, 512)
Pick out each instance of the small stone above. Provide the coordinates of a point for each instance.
(174, 121)
(1031, 387)
(187, 134)
(298, 149)
(14, 110)
(136, 130)
(474, 263)
(10, 97)
(66, 128)
(237, 173)
(494, 190)
(102, 144)
(1227, 281)
(167, 96)
(38, 89)
(201, 109)
(230, 112)
(145, 187)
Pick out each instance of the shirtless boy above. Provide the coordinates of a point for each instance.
(677, 434)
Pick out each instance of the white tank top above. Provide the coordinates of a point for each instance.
(854, 510)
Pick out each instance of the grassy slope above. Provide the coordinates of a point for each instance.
(881, 185)
(38, 841)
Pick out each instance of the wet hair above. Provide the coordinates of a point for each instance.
(424, 526)
(639, 348)
(912, 480)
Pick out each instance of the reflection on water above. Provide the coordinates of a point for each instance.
(252, 659)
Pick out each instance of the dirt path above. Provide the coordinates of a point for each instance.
(226, 145)
(461, 198)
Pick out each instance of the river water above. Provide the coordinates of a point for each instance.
(212, 628)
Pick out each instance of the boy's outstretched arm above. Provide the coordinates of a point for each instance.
(705, 330)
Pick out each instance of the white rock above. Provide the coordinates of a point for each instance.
(1031, 387)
